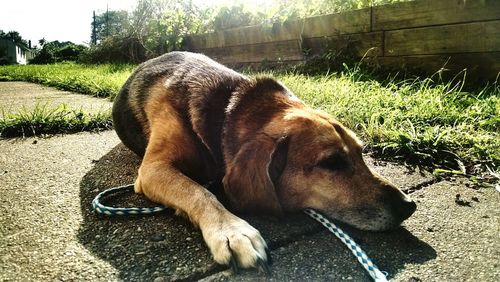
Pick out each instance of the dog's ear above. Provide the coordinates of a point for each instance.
(251, 177)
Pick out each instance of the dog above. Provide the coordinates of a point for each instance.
(193, 121)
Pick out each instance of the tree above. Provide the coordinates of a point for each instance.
(153, 28)
(231, 17)
(110, 23)
(160, 25)
(56, 51)
(179, 19)
(42, 41)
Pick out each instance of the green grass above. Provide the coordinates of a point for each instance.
(45, 120)
(95, 80)
(415, 120)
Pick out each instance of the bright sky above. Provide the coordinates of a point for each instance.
(63, 20)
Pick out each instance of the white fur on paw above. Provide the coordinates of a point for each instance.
(235, 237)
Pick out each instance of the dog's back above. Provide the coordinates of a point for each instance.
(194, 83)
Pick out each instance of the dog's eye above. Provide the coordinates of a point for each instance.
(334, 162)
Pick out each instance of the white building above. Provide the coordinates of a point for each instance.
(13, 53)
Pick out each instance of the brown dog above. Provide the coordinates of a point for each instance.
(194, 121)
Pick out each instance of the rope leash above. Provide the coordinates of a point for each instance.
(102, 209)
(366, 262)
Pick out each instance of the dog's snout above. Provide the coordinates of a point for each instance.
(404, 209)
(400, 205)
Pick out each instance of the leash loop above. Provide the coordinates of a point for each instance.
(102, 209)
(365, 261)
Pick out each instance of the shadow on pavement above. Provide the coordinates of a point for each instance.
(323, 257)
(138, 247)
(168, 247)
(392, 250)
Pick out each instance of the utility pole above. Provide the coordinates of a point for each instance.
(107, 20)
(94, 33)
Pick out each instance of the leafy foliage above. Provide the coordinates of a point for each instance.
(115, 49)
(56, 51)
(155, 27)
(231, 17)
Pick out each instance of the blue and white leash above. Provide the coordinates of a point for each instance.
(372, 269)
(365, 261)
(102, 209)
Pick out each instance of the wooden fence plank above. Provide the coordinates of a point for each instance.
(248, 35)
(255, 53)
(206, 40)
(262, 34)
(459, 38)
(479, 65)
(358, 45)
(328, 25)
(433, 12)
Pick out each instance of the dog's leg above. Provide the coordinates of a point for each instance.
(228, 237)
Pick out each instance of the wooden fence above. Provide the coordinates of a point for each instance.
(424, 34)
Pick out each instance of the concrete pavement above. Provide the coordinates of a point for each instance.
(16, 95)
(48, 232)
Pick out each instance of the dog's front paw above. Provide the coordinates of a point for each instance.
(233, 241)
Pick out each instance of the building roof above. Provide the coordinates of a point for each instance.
(22, 46)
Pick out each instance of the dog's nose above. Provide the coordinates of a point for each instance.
(404, 209)
(400, 205)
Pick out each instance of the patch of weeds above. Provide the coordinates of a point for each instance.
(416, 121)
(44, 120)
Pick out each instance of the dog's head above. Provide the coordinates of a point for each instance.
(307, 159)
